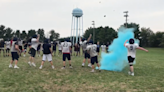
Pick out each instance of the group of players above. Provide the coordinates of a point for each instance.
(90, 51)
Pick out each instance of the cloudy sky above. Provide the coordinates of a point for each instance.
(56, 14)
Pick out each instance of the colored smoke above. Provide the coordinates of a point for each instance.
(116, 59)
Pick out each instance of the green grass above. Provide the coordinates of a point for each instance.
(149, 76)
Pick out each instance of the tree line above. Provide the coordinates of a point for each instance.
(7, 33)
(146, 36)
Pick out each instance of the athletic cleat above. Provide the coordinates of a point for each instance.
(99, 70)
(92, 71)
(89, 65)
(40, 67)
(34, 64)
(132, 74)
(24, 55)
(71, 67)
(63, 68)
(10, 66)
(29, 63)
(83, 64)
(16, 67)
(129, 73)
(53, 67)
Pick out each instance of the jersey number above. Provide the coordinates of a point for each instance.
(131, 47)
(65, 45)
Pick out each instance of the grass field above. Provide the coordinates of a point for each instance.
(149, 76)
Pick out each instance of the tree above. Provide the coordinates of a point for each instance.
(103, 35)
(136, 31)
(9, 33)
(31, 33)
(17, 34)
(54, 35)
(145, 34)
(42, 35)
(2, 31)
(23, 35)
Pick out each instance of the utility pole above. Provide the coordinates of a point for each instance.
(93, 30)
(126, 16)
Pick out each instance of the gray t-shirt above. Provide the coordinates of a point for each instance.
(92, 50)
(20, 43)
(84, 45)
(34, 43)
(13, 46)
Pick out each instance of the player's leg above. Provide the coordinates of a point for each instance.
(49, 57)
(16, 57)
(89, 60)
(43, 60)
(92, 62)
(69, 59)
(97, 63)
(130, 59)
(11, 62)
(64, 58)
(85, 56)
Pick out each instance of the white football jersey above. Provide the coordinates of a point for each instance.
(131, 49)
(103, 47)
(59, 47)
(65, 47)
(92, 50)
(34, 43)
(8, 44)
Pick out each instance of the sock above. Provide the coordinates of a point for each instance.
(99, 68)
(41, 65)
(64, 66)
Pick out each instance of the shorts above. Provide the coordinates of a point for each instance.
(60, 51)
(20, 47)
(38, 49)
(131, 60)
(1, 48)
(86, 55)
(33, 52)
(47, 57)
(25, 49)
(54, 49)
(98, 50)
(8, 49)
(14, 56)
(66, 56)
(94, 59)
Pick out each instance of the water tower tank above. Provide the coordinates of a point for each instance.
(77, 12)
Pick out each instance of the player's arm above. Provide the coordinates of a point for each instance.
(89, 38)
(50, 49)
(38, 38)
(17, 47)
(140, 48)
(125, 42)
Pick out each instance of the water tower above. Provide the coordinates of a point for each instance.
(77, 24)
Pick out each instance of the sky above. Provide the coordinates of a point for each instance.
(57, 14)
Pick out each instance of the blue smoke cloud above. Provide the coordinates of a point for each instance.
(116, 59)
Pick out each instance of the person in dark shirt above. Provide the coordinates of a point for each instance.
(47, 54)
(2, 45)
(38, 49)
(25, 47)
(54, 47)
(98, 48)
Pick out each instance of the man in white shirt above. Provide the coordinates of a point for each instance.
(84, 48)
(131, 46)
(59, 48)
(93, 54)
(103, 48)
(7, 47)
(34, 45)
(66, 50)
